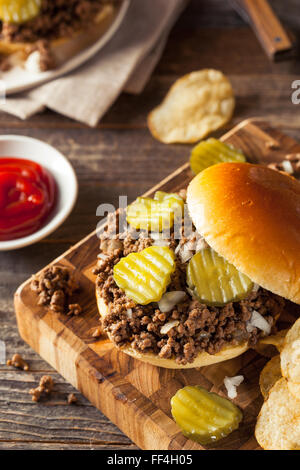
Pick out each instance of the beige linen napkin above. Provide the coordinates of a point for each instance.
(124, 64)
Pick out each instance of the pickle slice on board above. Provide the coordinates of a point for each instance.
(214, 281)
(212, 151)
(156, 214)
(203, 416)
(19, 11)
(144, 276)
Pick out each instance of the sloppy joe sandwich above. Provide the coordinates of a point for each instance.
(45, 33)
(208, 291)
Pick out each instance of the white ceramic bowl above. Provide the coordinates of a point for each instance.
(63, 173)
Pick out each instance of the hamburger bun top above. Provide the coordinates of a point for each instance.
(250, 215)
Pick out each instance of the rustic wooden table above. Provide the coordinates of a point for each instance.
(121, 157)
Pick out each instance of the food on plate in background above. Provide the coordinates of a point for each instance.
(40, 33)
(197, 104)
(203, 416)
(19, 11)
(180, 327)
(211, 152)
(27, 197)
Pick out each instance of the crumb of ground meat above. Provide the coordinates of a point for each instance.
(200, 328)
(5, 63)
(18, 362)
(54, 286)
(134, 246)
(45, 387)
(71, 399)
(97, 332)
(74, 309)
(272, 144)
(109, 246)
(182, 194)
(47, 59)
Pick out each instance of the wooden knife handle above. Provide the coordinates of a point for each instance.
(269, 30)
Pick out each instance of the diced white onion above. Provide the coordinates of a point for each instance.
(231, 383)
(258, 321)
(156, 236)
(168, 326)
(102, 256)
(190, 291)
(129, 313)
(187, 251)
(203, 334)
(161, 242)
(185, 254)
(201, 245)
(287, 166)
(255, 287)
(33, 62)
(190, 245)
(170, 299)
(177, 249)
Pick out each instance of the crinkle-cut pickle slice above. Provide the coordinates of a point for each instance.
(203, 416)
(144, 276)
(19, 11)
(156, 214)
(172, 201)
(214, 281)
(212, 151)
(171, 198)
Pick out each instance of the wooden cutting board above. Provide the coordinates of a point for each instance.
(134, 395)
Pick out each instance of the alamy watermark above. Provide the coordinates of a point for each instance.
(171, 222)
(2, 92)
(296, 94)
(2, 352)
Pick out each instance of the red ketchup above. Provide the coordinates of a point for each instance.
(27, 196)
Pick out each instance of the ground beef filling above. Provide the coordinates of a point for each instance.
(58, 18)
(201, 327)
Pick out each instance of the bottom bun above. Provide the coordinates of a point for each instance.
(203, 359)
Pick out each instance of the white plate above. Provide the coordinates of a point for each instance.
(65, 177)
(19, 79)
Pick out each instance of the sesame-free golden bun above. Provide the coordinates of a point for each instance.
(203, 358)
(250, 215)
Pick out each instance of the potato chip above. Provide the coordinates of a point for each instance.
(290, 354)
(276, 340)
(197, 104)
(294, 389)
(278, 424)
(269, 376)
